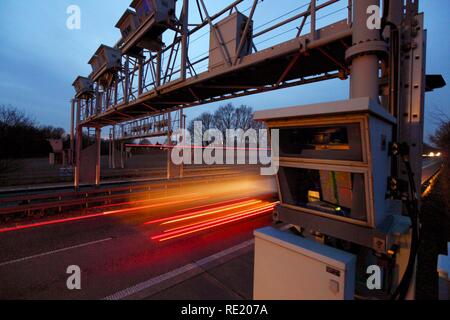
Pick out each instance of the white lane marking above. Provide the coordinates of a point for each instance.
(431, 164)
(174, 273)
(52, 252)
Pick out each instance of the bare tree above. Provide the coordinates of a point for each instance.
(11, 116)
(244, 117)
(208, 122)
(225, 118)
(441, 138)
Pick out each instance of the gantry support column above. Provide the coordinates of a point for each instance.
(412, 96)
(182, 127)
(122, 156)
(365, 52)
(184, 39)
(410, 117)
(78, 147)
(174, 170)
(113, 147)
(169, 144)
(72, 133)
(98, 141)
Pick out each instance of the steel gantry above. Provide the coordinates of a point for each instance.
(141, 76)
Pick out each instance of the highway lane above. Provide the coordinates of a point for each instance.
(116, 250)
(117, 247)
(430, 167)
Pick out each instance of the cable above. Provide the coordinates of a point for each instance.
(413, 210)
(296, 28)
(281, 16)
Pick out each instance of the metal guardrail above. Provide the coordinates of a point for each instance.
(91, 198)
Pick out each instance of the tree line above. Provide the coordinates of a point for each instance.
(22, 137)
(441, 138)
(226, 117)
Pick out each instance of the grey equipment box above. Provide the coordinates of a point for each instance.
(229, 32)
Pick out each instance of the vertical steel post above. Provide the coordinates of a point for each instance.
(141, 75)
(79, 145)
(122, 160)
(110, 150)
(410, 115)
(158, 69)
(313, 19)
(184, 39)
(126, 95)
(72, 132)
(98, 141)
(116, 88)
(411, 110)
(169, 144)
(113, 151)
(182, 127)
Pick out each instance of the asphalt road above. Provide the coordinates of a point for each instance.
(116, 247)
(430, 167)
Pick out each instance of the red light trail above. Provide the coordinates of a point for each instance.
(214, 204)
(230, 215)
(167, 146)
(210, 212)
(192, 215)
(212, 224)
(106, 213)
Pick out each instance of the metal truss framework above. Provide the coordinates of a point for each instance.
(157, 83)
(159, 125)
(154, 83)
(152, 126)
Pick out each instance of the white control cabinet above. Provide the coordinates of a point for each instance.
(288, 267)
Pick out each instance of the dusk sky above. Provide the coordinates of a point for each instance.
(40, 57)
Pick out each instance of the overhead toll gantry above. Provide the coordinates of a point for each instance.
(322, 53)
(153, 78)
